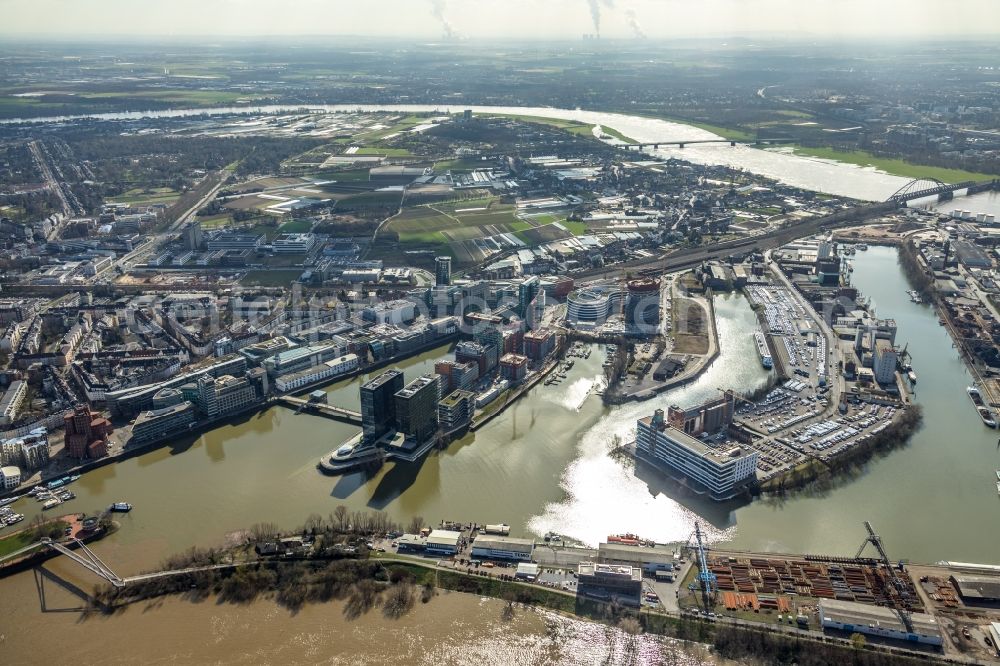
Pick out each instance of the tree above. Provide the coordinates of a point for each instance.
(313, 523)
(340, 518)
(858, 641)
(416, 524)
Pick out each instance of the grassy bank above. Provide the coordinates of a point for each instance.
(896, 167)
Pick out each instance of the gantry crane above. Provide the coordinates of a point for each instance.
(901, 600)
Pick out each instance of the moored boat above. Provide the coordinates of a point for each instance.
(987, 417)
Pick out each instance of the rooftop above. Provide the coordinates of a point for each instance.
(851, 612)
(722, 452)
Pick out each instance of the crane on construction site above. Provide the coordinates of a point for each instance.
(902, 598)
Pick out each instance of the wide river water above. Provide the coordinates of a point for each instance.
(542, 465)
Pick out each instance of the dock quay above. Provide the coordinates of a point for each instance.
(322, 409)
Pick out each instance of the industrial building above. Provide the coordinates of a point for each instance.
(852, 617)
(649, 559)
(607, 581)
(443, 542)
(487, 546)
(977, 589)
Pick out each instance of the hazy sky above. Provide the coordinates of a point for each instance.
(498, 18)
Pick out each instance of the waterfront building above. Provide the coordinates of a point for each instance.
(323, 371)
(884, 362)
(713, 464)
(591, 307)
(378, 404)
(538, 344)
(167, 397)
(35, 452)
(87, 433)
(852, 617)
(710, 416)
(224, 395)
(442, 271)
(649, 559)
(156, 424)
(642, 307)
(10, 477)
(606, 581)
(13, 400)
(491, 547)
(300, 358)
(416, 407)
(455, 410)
(456, 375)
(513, 367)
(475, 353)
(443, 542)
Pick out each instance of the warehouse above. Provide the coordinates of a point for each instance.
(442, 542)
(491, 547)
(852, 617)
(977, 589)
(650, 560)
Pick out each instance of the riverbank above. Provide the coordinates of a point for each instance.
(392, 587)
(817, 474)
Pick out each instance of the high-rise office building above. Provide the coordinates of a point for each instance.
(442, 271)
(417, 407)
(378, 406)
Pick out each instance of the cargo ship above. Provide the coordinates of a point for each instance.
(762, 350)
(984, 412)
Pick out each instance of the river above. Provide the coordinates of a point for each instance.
(809, 173)
(542, 465)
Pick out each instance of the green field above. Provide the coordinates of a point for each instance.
(295, 227)
(148, 197)
(384, 151)
(896, 167)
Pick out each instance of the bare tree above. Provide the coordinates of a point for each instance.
(416, 524)
(340, 515)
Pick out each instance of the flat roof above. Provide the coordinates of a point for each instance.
(621, 551)
(722, 453)
(503, 543)
(386, 376)
(851, 612)
(447, 537)
(619, 570)
(985, 588)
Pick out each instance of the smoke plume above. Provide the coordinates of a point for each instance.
(595, 12)
(437, 9)
(633, 23)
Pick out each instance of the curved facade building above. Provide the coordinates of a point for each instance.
(592, 306)
(642, 307)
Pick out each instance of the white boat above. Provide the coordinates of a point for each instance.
(121, 507)
(998, 475)
(51, 504)
(998, 487)
(762, 350)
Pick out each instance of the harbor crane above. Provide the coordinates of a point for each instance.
(901, 600)
(706, 579)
